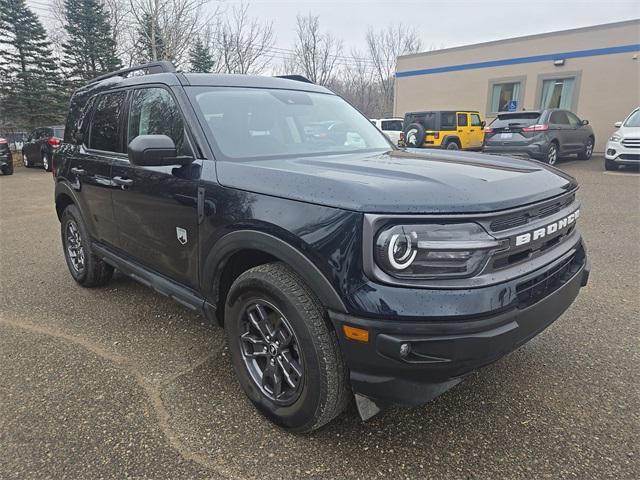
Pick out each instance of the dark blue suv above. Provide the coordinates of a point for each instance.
(336, 263)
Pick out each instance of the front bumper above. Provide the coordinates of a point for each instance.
(442, 351)
(622, 155)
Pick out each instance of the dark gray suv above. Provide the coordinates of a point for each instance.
(543, 135)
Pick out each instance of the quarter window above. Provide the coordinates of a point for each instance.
(105, 126)
(503, 96)
(154, 112)
(462, 120)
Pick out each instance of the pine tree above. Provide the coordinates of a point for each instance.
(200, 57)
(90, 49)
(31, 92)
(147, 36)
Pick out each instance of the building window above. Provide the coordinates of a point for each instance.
(505, 97)
(557, 93)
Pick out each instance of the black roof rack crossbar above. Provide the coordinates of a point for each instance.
(297, 78)
(162, 66)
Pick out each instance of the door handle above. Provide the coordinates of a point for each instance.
(78, 171)
(460, 131)
(125, 182)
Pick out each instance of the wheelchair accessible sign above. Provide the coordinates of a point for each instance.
(513, 106)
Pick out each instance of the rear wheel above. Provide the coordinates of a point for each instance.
(586, 153)
(452, 145)
(8, 170)
(25, 160)
(552, 153)
(285, 355)
(85, 268)
(46, 164)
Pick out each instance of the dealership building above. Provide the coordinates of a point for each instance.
(592, 71)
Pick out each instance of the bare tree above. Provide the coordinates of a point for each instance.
(244, 44)
(168, 27)
(359, 86)
(385, 46)
(315, 53)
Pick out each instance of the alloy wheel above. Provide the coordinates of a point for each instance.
(270, 352)
(25, 160)
(589, 148)
(75, 250)
(45, 162)
(552, 154)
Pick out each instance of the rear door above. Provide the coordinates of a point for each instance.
(156, 207)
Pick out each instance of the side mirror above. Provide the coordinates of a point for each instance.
(155, 151)
(584, 122)
(483, 124)
(617, 124)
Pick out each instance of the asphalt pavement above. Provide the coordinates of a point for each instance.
(120, 382)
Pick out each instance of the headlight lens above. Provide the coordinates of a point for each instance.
(615, 138)
(434, 250)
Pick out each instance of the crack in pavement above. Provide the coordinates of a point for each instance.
(153, 390)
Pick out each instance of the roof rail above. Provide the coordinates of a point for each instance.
(297, 78)
(161, 66)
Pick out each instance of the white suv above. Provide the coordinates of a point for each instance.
(623, 147)
(391, 127)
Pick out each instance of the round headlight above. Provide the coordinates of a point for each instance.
(401, 251)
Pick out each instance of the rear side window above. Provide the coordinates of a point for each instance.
(154, 112)
(105, 125)
(427, 120)
(462, 120)
(520, 119)
(58, 132)
(393, 125)
(448, 121)
(559, 118)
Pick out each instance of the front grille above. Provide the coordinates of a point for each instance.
(523, 218)
(630, 156)
(631, 142)
(537, 288)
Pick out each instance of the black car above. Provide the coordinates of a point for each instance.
(543, 135)
(40, 146)
(336, 263)
(6, 159)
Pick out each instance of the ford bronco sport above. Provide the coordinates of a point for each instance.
(336, 263)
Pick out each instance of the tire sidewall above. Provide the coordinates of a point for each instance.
(452, 145)
(299, 414)
(71, 213)
(418, 136)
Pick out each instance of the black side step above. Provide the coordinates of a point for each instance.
(183, 295)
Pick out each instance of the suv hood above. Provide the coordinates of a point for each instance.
(401, 181)
(629, 132)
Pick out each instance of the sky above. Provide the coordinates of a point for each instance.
(440, 24)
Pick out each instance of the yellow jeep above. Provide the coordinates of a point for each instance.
(452, 130)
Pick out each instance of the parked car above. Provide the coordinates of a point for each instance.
(623, 147)
(545, 135)
(391, 127)
(451, 130)
(334, 268)
(40, 146)
(6, 159)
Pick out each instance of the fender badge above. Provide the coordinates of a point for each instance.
(181, 233)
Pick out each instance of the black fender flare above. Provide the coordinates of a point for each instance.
(447, 138)
(239, 240)
(63, 188)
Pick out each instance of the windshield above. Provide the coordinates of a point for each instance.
(252, 123)
(520, 119)
(633, 120)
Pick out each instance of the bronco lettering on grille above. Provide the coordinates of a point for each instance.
(550, 229)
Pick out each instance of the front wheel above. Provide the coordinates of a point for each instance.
(587, 151)
(285, 355)
(25, 161)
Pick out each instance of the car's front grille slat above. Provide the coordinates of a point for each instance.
(522, 218)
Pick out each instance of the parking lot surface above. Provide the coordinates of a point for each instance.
(121, 382)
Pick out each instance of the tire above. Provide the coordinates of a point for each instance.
(610, 165)
(414, 135)
(551, 156)
(25, 161)
(587, 151)
(452, 145)
(46, 162)
(85, 268)
(8, 170)
(258, 297)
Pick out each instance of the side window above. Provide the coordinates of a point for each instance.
(558, 117)
(154, 112)
(475, 120)
(573, 120)
(105, 126)
(463, 120)
(393, 125)
(448, 121)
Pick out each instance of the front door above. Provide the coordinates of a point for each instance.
(463, 130)
(476, 131)
(156, 207)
